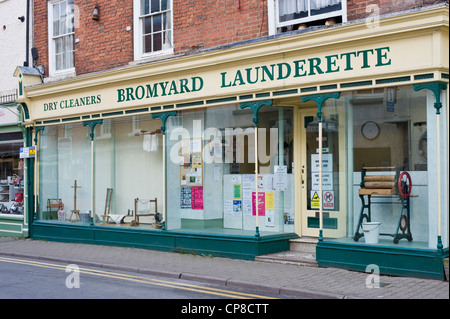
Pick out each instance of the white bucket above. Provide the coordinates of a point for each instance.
(371, 232)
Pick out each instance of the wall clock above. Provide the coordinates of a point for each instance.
(370, 130)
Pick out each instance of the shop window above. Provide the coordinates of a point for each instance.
(128, 173)
(390, 133)
(61, 28)
(211, 178)
(11, 173)
(64, 174)
(386, 132)
(153, 28)
(297, 14)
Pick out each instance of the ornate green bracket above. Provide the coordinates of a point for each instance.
(163, 116)
(26, 113)
(36, 131)
(436, 88)
(92, 125)
(319, 99)
(255, 106)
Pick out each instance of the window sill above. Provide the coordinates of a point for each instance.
(60, 76)
(151, 57)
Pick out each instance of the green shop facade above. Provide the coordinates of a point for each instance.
(13, 170)
(339, 134)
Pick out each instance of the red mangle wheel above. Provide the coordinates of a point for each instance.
(403, 223)
(404, 184)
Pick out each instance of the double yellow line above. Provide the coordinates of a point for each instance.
(139, 279)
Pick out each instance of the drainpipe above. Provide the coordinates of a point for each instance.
(27, 40)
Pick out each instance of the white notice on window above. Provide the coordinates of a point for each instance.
(280, 178)
(327, 162)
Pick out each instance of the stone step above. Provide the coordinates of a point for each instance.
(303, 244)
(302, 252)
(290, 257)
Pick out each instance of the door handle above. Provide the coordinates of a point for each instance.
(303, 175)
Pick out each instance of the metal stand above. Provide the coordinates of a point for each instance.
(401, 189)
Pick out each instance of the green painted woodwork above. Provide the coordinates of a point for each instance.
(12, 226)
(320, 99)
(163, 116)
(92, 125)
(391, 260)
(328, 223)
(37, 129)
(222, 245)
(255, 106)
(436, 88)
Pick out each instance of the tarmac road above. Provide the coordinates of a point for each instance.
(274, 278)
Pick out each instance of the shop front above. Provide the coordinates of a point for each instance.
(13, 217)
(235, 151)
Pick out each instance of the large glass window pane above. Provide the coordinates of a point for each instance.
(65, 174)
(387, 136)
(129, 163)
(211, 172)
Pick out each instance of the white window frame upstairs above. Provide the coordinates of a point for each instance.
(167, 46)
(274, 23)
(52, 39)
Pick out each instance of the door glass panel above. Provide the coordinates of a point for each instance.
(330, 163)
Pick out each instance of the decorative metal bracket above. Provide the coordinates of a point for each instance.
(255, 106)
(36, 131)
(92, 125)
(26, 113)
(319, 99)
(436, 88)
(163, 116)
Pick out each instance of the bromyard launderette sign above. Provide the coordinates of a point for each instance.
(262, 76)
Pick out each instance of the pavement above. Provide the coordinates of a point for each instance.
(284, 279)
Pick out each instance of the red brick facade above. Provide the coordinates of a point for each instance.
(203, 24)
(198, 24)
(360, 9)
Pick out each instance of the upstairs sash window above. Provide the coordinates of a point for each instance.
(62, 35)
(154, 27)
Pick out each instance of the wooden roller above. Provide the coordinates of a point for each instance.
(376, 191)
(379, 184)
(379, 178)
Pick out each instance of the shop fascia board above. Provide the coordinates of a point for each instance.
(427, 21)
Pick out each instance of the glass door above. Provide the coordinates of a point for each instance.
(333, 178)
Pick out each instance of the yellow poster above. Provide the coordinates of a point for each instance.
(315, 200)
(270, 201)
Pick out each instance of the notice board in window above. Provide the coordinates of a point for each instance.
(191, 169)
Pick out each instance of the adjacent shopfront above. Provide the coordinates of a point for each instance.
(235, 151)
(13, 217)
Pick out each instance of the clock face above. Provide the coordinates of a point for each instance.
(370, 130)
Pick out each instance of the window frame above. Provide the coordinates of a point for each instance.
(138, 34)
(274, 22)
(52, 44)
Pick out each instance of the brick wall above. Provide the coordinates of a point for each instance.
(40, 39)
(204, 24)
(198, 24)
(104, 43)
(101, 44)
(356, 9)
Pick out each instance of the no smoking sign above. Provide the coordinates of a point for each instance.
(328, 199)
